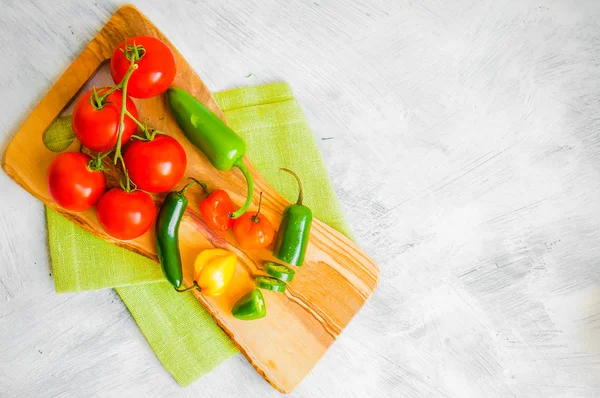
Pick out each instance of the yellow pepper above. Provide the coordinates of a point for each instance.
(213, 270)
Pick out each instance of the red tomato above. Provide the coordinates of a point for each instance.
(156, 69)
(253, 231)
(71, 184)
(95, 128)
(126, 215)
(155, 166)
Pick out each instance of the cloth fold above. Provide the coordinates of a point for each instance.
(181, 332)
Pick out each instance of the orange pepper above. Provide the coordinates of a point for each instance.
(253, 231)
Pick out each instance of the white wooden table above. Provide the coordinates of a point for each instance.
(463, 139)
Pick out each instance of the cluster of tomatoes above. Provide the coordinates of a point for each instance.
(149, 161)
(152, 162)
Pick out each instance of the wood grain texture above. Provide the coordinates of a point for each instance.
(471, 127)
(332, 285)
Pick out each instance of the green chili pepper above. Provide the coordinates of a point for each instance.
(268, 283)
(250, 306)
(294, 230)
(167, 229)
(279, 271)
(223, 147)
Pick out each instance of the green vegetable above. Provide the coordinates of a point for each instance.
(59, 135)
(268, 283)
(294, 230)
(279, 271)
(250, 306)
(167, 239)
(221, 145)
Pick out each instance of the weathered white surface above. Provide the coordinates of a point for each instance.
(473, 131)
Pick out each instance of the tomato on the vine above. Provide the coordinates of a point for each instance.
(72, 184)
(126, 215)
(97, 129)
(156, 67)
(157, 165)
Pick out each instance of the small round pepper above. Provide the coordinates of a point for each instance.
(253, 231)
(216, 210)
(213, 271)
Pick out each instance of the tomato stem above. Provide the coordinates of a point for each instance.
(111, 90)
(133, 52)
(121, 127)
(135, 120)
(148, 131)
(118, 155)
(127, 187)
(95, 100)
(98, 101)
(103, 155)
(95, 164)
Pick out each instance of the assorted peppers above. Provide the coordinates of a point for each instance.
(223, 147)
(167, 234)
(215, 268)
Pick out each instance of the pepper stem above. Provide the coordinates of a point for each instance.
(240, 165)
(300, 191)
(255, 218)
(192, 183)
(193, 287)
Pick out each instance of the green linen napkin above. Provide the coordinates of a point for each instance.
(181, 332)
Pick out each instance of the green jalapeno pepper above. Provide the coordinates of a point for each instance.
(269, 283)
(279, 271)
(294, 230)
(167, 231)
(223, 147)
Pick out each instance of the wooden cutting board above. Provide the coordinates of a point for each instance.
(335, 281)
